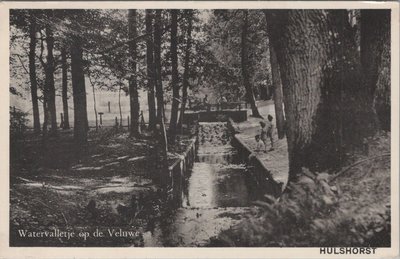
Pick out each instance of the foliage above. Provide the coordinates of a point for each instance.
(223, 68)
(318, 210)
(310, 215)
(18, 123)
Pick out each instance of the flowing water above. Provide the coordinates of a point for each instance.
(217, 193)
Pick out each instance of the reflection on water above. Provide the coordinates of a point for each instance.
(216, 194)
(215, 183)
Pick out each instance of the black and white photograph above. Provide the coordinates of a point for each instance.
(201, 127)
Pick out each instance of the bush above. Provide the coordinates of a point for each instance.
(310, 214)
(18, 123)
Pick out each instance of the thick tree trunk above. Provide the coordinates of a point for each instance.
(343, 92)
(32, 75)
(353, 83)
(49, 81)
(175, 83)
(133, 88)
(300, 38)
(245, 71)
(150, 70)
(375, 34)
(186, 72)
(278, 95)
(382, 94)
(79, 92)
(159, 88)
(65, 87)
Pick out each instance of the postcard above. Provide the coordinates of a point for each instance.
(244, 129)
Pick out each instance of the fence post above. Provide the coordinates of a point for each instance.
(109, 107)
(128, 124)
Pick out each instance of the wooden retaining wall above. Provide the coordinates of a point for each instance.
(178, 170)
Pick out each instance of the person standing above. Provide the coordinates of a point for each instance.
(263, 135)
(270, 131)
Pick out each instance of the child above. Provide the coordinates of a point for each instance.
(263, 135)
(259, 144)
(270, 131)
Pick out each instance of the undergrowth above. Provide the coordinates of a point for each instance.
(322, 210)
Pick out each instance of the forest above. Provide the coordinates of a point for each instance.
(322, 76)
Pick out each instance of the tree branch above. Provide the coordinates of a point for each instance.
(140, 37)
(22, 63)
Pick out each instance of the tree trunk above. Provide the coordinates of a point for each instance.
(343, 92)
(150, 70)
(79, 92)
(65, 87)
(383, 93)
(245, 72)
(175, 83)
(278, 95)
(159, 88)
(375, 34)
(32, 75)
(353, 83)
(133, 88)
(49, 81)
(120, 107)
(300, 38)
(186, 72)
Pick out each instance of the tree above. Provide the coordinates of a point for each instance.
(174, 66)
(185, 83)
(278, 95)
(79, 91)
(382, 94)
(133, 88)
(159, 86)
(32, 73)
(49, 70)
(299, 38)
(328, 92)
(64, 67)
(150, 69)
(222, 60)
(375, 35)
(245, 73)
(353, 74)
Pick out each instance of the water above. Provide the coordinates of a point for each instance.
(216, 195)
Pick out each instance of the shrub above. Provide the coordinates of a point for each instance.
(310, 214)
(18, 123)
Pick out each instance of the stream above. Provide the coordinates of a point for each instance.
(218, 191)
